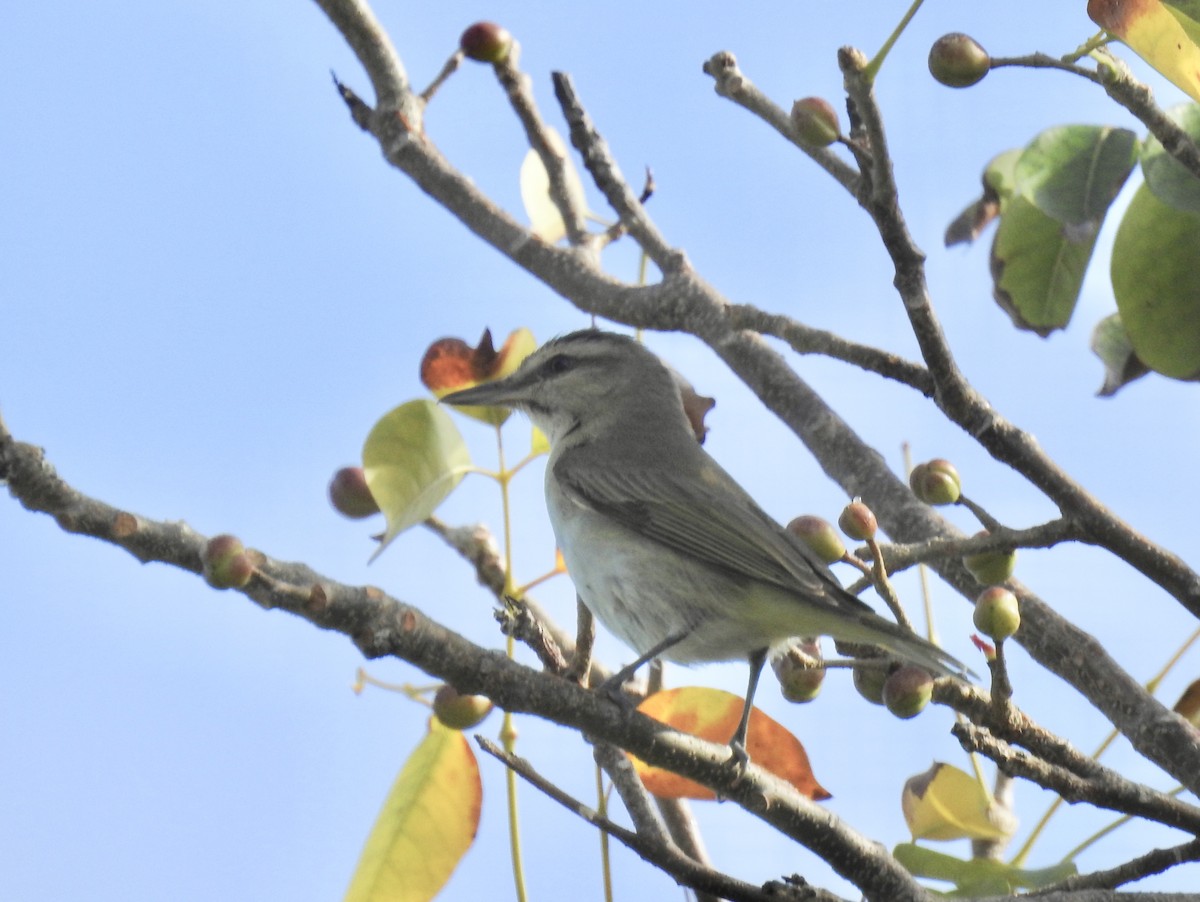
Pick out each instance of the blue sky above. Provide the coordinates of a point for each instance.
(211, 285)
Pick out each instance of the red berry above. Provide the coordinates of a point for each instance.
(486, 42)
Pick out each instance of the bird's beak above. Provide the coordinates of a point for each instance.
(501, 393)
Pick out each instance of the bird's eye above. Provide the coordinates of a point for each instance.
(558, 365)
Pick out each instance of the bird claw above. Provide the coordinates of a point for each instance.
(739, 758)
(614, 690)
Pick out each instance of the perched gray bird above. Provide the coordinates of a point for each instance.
(664, 547)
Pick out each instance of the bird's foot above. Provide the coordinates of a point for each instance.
(614, 690)
(739, 758)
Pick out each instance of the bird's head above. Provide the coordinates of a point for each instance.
(590, 381)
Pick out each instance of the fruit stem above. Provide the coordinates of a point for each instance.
(1104, 831)
(877, 62)
(508, 731)
(602, 810)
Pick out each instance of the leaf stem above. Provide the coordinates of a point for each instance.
(874, 65)
(1151, 687)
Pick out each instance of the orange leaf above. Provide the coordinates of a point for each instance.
(450, 365)
(713, 715)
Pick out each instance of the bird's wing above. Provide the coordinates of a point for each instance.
(709, 517)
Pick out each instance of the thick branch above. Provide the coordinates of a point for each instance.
(380, 625)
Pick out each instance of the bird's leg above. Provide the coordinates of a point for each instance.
(737, 745)
(585, 638)
(612, 686)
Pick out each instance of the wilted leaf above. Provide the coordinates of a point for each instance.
(997, 185)
(1163, 34)
(713, 715)
(1188, 705)
(1169, 179)
(1110, 342)
(977, 876)
(1072, 172)
(1156, 280)
(1038, 264)
(450, 365)
(427, 823)
(544, 218)
(947, 803)
(413, 458)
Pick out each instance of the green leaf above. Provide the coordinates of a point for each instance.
(1072, 172)
(977, 876)
(1170, 181)
(1038, 264)
(428, 822)
(1110, 342)
(413, 458)
(1000, 173)
(1156, 280)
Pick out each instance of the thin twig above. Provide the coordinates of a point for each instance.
(656, 848)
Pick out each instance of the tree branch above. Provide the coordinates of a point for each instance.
(382, 626)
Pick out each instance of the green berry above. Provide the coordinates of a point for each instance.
(457, 711)
(907, 691)
(958, 61)
(869, 680)
(226, 563)
(858, 522)
(815, 121)
(997, 613)
(991, 568)
(799, 680)
(936, 482)
(819, 535)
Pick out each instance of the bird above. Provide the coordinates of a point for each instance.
(664, 547)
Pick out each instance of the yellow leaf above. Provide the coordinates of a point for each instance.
(947, 803)
(713, 715)
(1188, 705)
(412, 459)
(544, 218)
(1161, 34)
(427, 823)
